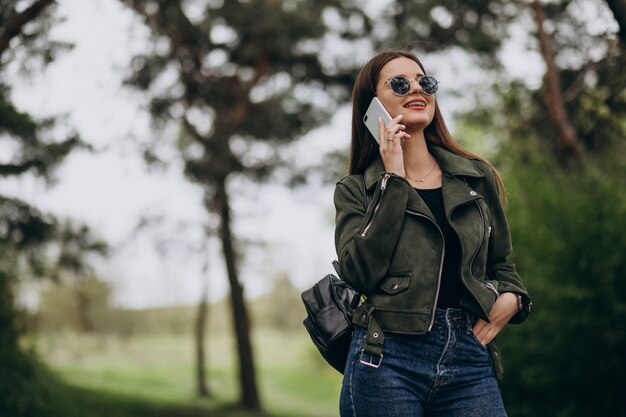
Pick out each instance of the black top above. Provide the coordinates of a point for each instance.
(450, 289)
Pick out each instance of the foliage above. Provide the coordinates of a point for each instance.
(281, 308)
(476, 27)
(567, 225)
(241, 77)
(24, 40)
(511, 111)
(21, 385)
(79, 306)
(57, 314)
(568, 360)
(32, 243)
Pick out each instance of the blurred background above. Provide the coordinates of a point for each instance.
(166, 179)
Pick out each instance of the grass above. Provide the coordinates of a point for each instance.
(154, 375)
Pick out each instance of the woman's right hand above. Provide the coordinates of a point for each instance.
(391, 138)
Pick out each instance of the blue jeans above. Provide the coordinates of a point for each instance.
(444, 373)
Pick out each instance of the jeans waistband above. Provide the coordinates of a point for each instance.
(456, 316)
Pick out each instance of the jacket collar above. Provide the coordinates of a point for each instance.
(449, 162)
(454, 164)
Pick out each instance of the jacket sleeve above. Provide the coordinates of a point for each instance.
(365, 239)
(499, 267)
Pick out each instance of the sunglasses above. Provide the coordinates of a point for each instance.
(401, 85)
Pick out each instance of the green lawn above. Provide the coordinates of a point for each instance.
(154, 375)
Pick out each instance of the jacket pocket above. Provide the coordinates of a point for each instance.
(395, 284)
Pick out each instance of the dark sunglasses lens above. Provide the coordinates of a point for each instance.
(429, 84)
(400, 85)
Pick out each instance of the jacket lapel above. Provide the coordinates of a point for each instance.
(456, 192)
(455, 189)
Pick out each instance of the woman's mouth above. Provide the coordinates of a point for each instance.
(416, 104)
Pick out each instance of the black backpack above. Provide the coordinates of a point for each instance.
(330, 304)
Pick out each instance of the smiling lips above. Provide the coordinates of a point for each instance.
(417, 104)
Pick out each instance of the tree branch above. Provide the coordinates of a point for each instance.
(554, 99)
(618, 7)
(13, 27)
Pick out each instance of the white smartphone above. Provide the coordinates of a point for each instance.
(374, 111)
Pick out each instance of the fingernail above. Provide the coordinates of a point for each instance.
(379, 119)
(399, 116)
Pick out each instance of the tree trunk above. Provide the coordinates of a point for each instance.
(249, 392)
(618, 7)
(85, 324)
(201, 319)
(9, 333)
(570, 152)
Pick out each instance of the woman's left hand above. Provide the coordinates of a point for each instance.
(502, 311)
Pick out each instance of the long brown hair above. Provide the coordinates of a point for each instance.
(364, 148)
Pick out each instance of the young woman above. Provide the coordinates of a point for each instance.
(429, 253)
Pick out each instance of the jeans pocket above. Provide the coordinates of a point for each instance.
(472, 335)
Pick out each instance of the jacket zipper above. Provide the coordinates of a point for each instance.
(482, 238)
(443, 252)
(488, 285)
(383, 186)
(492, 288)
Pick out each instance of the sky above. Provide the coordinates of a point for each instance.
(112, 189)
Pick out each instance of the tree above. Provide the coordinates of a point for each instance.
(200, 333)
(75, 246)
(475, 27)
(27, 236)
(82, 306)
(248, 77)
(24, 229)
(14, 20)
(571, 152)
(576, 51)
(567, 359)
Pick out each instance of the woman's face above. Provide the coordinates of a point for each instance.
(417, 108)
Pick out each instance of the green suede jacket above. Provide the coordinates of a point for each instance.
(392, 251)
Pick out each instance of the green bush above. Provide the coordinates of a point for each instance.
(569, 358)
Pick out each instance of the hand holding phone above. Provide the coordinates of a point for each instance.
(379, 122)
(375, 111)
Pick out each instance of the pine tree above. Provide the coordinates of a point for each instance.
(249, 77)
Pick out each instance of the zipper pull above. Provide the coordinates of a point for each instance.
(383, 183)
(492, 288)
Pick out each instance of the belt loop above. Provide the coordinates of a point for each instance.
(470, 321)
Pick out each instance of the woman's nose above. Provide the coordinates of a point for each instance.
(415, 87)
